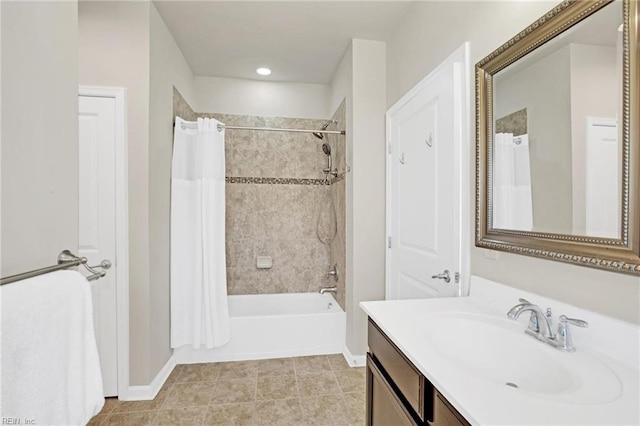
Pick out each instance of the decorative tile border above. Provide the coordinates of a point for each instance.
(274, 181)
(282, 181)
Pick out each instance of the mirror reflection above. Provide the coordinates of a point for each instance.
(557, 137)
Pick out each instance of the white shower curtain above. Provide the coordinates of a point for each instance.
(512, 205)
(199, 310)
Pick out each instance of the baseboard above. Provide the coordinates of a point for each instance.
(149, 392)
(354, 360)
(188, 355)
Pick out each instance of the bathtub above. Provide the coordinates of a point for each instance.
(276, 326)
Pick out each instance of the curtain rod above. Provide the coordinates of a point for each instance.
(192, 125)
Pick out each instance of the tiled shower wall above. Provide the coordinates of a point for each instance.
(268, 218)
(274, 193)
(181, 108)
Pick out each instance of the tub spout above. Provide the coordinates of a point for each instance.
(324, 290)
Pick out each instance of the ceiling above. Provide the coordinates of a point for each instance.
(301, 41)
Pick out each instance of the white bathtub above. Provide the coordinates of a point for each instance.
(276, 326)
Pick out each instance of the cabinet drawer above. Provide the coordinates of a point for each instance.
(385, 408)
(409, 381)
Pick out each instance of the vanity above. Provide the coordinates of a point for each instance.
(461, 361)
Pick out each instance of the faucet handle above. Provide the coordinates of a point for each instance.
(333, 273)
(534, 324)
(564, 341)
(575, 321)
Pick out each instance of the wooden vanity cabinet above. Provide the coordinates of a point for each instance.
(397, 393)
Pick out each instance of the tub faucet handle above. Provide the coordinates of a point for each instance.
(333, 273)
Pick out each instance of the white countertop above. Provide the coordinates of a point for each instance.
(615, 343)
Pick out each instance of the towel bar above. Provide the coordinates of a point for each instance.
(66, 259)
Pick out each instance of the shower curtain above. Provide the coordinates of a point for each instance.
(199, 310)
(512, 205)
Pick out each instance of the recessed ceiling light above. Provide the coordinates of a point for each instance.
(263, 71)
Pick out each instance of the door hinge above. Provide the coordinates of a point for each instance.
(389, 150)
(388, 242)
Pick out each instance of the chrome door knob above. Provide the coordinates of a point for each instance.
(443, 276)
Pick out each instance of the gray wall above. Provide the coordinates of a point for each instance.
(428, 34)
(39, 133)
(167, 68)
(105, 28)
(360, 82)
(366, 186)
(126, 44)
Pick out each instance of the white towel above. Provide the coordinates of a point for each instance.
(199, 310)
(49, 367)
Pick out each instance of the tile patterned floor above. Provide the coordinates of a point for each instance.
(315, 390)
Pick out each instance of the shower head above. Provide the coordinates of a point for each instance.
(324, 127)
(326, 149)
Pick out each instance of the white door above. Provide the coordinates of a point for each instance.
(602, 178)
(423, 188)
(97, 218)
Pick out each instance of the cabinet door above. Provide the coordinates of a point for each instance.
(406, 378)
(445, 414)
(384, 408)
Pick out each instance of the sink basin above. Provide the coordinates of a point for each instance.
(498, 350)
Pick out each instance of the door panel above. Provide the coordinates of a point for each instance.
(410, 288)
(417, 214)
(97, 223)
(423, 192)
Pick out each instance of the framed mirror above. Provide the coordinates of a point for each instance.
(557, 138)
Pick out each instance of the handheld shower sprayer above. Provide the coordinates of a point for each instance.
(329, 170)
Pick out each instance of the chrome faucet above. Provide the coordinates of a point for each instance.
(333, 289)
(539, 322)
(540, 325)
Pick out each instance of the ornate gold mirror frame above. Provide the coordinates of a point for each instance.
(619, 255)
